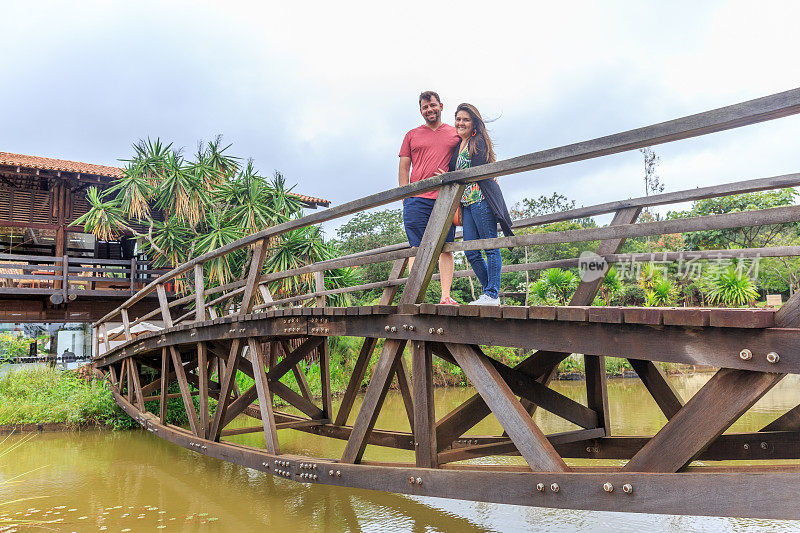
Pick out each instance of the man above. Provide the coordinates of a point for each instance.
(426, 150)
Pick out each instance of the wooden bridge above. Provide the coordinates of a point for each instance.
(202, 348)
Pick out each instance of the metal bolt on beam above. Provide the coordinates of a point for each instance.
(763, 445)
(440, 331)
(387, 328)
(554, 487)
(627, 488)
(419, 481)
(773, 357)
(745, 355)
(746, 446)
(338, 473)
(540, 487)
(411, 480)
(608, 487)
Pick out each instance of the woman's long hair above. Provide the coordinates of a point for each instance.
(479, 133)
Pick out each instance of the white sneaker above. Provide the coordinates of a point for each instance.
(486, 300)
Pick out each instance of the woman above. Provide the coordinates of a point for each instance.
(482, 203)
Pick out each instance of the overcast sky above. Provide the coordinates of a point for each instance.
(325, 92)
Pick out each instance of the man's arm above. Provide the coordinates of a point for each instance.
(405, 170)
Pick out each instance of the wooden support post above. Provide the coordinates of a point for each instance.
(373, 400)
(188, 403)
(404, 384)
(264, 396)
(95, 341)
(424, 408)
(199, 293)
(596, 389)
(231, 366)
(253, 276)
(360, 368)
(524, 433)
(202, 374)
(106, 342)
(788, 316)
(721, 401)
(64, 277)
(299, 376)
(432, 243)
(319, 285)
(133, 275)
(166, 315)
(162, 413)
(129, 363)
(137, 384)
(126, 324)
(123, 372)
(325, 378)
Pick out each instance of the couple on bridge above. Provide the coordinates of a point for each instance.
(426, 152)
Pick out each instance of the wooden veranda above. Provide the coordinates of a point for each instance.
(202, 349)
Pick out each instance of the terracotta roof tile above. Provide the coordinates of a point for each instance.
(48, 163)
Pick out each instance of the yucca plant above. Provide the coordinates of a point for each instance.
(649, 276)
(663, 294)
(554, 286)
(730, 287)
(106, 219)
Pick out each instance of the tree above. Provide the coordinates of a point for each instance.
(755, 236)
(730, 286)
(181, 208)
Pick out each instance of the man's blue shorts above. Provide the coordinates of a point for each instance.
(416, 212)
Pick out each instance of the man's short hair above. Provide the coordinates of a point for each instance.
(428, 95)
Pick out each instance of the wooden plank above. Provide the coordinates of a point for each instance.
(424, 407)
(742, 318)
(468, 310)
(202, 374)
(542, 312)
(432, 242)
(659, 386)
(526, 435)
(489, 311)
(191, 414)
(514, 312)
(264, 397)
(717, 405)
(319, 283)
(296, 400)
(642, 315)
(129, 364)
(447, 310)
(612, 315)
(373, 400)
(199, 293)
(573, 313)
(685, 316)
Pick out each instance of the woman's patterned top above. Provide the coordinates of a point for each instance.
(472, 193)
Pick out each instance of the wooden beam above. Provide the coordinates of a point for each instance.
(424, 422)
(202, 375)
(717, 405)
(432, 243)
(137, 384)
(166, 315)
(264, 397)
(231, 365)
(373, 401)
(659, 386)
(526, 435)
(364, 355)
(404, 384)
(596, 390)
(325, 378)
(199, 293)
(188, 403)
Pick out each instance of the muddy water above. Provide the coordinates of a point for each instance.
(132, 481)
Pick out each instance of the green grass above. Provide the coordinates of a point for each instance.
(46, 395)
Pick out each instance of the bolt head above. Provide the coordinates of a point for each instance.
(440, 331)
(431, 330)
(746, 355)
(387, 328)
(554, 487)
(338, 473)
(746, 446)
(405, 326)
(540, 487)
(627, 488)
(330, 473)
(608, 487)
(419, 481)
(773, 357)
(763, 445)
(411, 327)
(411, 480)
(393, 329)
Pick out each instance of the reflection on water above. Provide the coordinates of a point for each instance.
(132, 481)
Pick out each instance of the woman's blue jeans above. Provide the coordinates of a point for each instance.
(480, 223)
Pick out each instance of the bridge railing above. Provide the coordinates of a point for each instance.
(241, 296)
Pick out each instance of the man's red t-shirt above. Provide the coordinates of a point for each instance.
(429, 151)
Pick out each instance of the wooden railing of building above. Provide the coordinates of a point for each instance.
(202, 349)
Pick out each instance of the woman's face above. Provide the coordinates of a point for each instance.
(463, 124)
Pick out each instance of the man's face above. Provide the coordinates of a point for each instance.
(431, 111)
